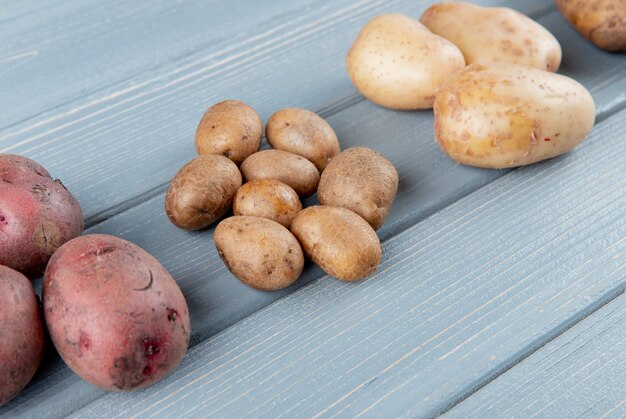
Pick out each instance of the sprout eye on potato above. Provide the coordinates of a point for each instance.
(267, 198)
(231, 129)
(494, 35)
(396, 62)
(202, 191)
(507, 115)
(21, 333)
(303, 132)
(115, 315)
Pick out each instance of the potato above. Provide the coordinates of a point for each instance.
(603, 22)
(267, 198)
(115, 315)
(21, 333)
(37, 215)
(302, 132)
(339, 241)
(507, 115)
(397, 63)
(231, 129)
(289, 168)
(361, 180)
(259, 252)
(202, 191)
(494, 35)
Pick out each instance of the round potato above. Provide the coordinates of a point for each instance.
(21, 333)
(289, 168)
(202, 191)
(507, 115)
(231, 129)
(115, 315)
(259, 252)
(339, 241)
(302, 132)
(361, 180)
(603, 22)
(267, 198)
(398, 63)
(494, 35)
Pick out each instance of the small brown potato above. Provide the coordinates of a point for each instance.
(507, 115)
(231, 129)
(202, 191)
(361, 180)
(396, 62)
(339, 241)
(259, 252)
(267, 198)
(115, 315)
(302, 132)
(289, 168)
(603, 22)
(494, 35)
(21, 333)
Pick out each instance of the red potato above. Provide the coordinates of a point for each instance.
(115, 315)
(37, 215)
(21, 333)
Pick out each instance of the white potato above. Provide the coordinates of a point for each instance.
(397, 63)
(494, 35)
(507, 115)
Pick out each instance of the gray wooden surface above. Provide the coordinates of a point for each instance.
(481, 267)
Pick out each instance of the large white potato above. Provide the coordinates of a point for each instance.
(507, 115)
(494, 35)
(397, 63)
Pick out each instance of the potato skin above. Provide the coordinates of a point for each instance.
(361, 180)
(259, 252)
(37, 215)
(231, 129)
(267, 198)
(339, 241)
(302, 132)
(507, 115)
(396, 62)
(115, 315)
(494, 35)
(202, 191)
(21, 333)
(603, 22)
(292, 169)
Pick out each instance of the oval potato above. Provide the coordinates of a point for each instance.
(339, 241)
(289, 168)
(361, 180)
(115, 315)
(494, 35)
(506, 115)
(259, 252)
(396, 62)
(202, 191)
(267, 198)
(231, 129)
(304, 133)
(21, 333)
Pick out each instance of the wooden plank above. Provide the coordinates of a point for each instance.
(580, 373)
(459, 297)
(142, 128)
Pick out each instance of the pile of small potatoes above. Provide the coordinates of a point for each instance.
(488, 74)
(265, 242)
(114, 314)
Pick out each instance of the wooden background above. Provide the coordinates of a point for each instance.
(501, 293)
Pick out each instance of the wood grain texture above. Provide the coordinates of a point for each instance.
(581, 373)
(142, 126)
(459, 297)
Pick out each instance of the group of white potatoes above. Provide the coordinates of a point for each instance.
(488, 74)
